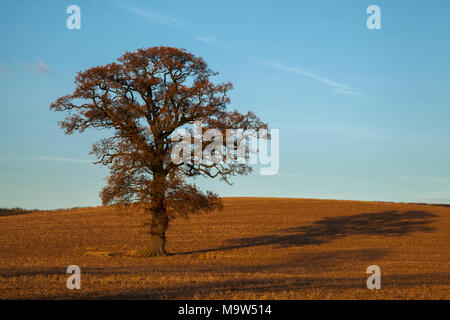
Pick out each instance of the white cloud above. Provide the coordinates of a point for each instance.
(62, 159)
(46, 158)
(160, 18)
(424, 179)
(150, 14)
(204, 39)
(40, 67)
(336, 86)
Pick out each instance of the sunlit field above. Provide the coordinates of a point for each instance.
(256, 248)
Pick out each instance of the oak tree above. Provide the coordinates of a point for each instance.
(141, 100)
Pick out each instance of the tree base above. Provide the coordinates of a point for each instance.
(156, 247)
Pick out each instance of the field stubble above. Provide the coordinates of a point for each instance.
(256, 248)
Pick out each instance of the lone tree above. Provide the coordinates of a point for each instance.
(143, 99)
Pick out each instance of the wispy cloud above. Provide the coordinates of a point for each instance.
(62, 159)
(337, 131)
(336, 86)
(160, 18)
(153, 15)
(40, 67)
(204, 39)
(48, 158)
(425, 179)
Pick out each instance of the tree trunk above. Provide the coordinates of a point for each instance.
(160, 221)
(157, 245)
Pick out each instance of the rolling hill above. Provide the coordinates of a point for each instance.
(255, 248)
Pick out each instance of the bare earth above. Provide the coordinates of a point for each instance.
(256, 248)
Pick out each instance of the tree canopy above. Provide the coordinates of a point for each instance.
(143, 99)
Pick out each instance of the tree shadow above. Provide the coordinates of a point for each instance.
(387, 223)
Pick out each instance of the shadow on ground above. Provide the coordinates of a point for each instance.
(387, 223)
(279, 285)
(305, 262)
(246, 283)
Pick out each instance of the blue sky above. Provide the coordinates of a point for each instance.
(363, 114)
